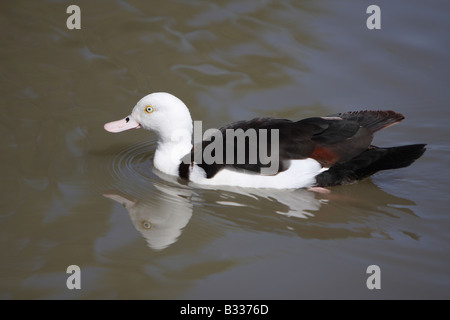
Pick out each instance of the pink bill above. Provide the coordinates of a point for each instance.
(122, 125)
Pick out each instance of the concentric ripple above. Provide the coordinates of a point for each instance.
(133, 166)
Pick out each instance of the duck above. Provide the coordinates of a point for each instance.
(313, 153)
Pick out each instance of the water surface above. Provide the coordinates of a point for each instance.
(74, 194)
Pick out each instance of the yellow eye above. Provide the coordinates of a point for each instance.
(149, 109)
(146, 224)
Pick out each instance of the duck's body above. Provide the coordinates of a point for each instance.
(314, 152)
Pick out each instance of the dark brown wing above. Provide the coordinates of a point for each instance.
(329, 140)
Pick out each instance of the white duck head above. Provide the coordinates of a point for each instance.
(169, 117)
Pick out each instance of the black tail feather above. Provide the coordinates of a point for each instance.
(374, 120)
(369, 162)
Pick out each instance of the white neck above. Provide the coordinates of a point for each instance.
(169, 152)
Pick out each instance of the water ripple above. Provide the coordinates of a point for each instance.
(132, 166)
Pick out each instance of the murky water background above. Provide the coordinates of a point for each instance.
(73, 194)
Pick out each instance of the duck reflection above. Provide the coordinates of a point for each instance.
(159, 217)
(162, 212)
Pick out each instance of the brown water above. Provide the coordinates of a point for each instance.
(73, 194)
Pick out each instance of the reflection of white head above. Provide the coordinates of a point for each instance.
(160, 221)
